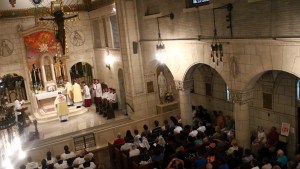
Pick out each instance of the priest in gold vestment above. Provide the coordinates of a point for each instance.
(68, 92)
(77, 96)
(61, 107)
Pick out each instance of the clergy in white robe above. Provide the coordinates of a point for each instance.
(77, 96)
(61, 107)
(86, 95)
(98, 91)
(68, 91)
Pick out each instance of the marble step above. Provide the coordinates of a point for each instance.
(53, 116)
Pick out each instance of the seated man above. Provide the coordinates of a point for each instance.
(60, 164)
(79, 160)
(88, 163)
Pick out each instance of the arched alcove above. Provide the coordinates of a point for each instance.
(170, 84)
(12, 87)
(82, 71)
(275, 102)
(208, 89)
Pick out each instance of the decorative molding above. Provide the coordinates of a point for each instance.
(241, 97)
(184, 85)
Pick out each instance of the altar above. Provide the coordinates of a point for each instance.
(44, 109)
(167, 107)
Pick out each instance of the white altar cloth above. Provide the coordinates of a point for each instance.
(46, 95)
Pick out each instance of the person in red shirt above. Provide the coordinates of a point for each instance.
(272, 139)
(119, 140)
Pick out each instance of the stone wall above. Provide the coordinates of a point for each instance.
(218, 100)
(260, 43)
(283, 87)
(108, 76)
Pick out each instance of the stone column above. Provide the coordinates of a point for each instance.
(185, 103)
(240, 101)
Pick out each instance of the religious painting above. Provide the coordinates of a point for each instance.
(39, 45)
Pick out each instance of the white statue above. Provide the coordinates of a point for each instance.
(162, 85)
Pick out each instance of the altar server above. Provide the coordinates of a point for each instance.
(86, 95)
(61, 107)
(68, 91)
(77, 96)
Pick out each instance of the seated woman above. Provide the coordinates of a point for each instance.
(259, 141)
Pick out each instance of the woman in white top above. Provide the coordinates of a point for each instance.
(260, 140)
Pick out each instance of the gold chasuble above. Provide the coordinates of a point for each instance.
(61, 105)
(77, 96)
(68, 88)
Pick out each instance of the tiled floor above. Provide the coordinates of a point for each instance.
(75, 123)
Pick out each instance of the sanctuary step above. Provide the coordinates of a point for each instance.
(48, 113)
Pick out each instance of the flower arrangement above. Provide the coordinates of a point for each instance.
(169, 97)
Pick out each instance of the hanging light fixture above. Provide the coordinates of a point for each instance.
(216, 46)
(160, 50)
(160, 47)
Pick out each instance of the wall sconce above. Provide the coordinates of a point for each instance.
(160, 47)
(108, 60)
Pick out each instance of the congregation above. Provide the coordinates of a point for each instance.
(67, 160)
(209, 143)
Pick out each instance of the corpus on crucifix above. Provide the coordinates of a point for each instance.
(59, 19)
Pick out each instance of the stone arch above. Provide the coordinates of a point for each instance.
(82, 71)
(208, 88)
(255, 77)
(189, 71)
(284, 108)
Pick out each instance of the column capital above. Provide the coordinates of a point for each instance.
(184, 85)
(241, 97)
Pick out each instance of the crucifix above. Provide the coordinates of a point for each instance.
(59, 19)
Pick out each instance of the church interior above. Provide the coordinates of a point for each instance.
(125, 84)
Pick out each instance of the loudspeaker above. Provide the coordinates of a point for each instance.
(135, 47)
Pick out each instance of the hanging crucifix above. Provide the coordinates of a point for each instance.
(59, 19)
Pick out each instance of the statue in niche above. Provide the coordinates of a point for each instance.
(59, 70)
(162, 86)
(35, 76)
